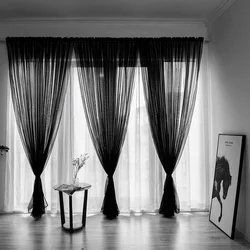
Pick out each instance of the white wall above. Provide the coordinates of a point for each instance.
(80, 29)
(230, 89)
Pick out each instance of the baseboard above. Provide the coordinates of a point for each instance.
(247, 238)
(240, 235)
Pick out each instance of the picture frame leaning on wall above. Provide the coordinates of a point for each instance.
(226, 183)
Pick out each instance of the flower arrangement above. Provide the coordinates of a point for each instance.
(78, 163)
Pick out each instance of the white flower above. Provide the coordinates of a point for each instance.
(78, 163)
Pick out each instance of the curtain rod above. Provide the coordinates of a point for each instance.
(2, 40)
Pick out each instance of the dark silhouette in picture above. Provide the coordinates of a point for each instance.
(222, 174)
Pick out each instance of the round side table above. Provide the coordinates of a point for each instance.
(70, 190)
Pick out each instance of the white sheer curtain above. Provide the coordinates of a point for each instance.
(139, 177)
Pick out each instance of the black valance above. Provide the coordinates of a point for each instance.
(168, 49)
(39, 48)
(98, 51)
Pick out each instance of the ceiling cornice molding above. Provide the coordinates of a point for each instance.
(222, 7)
(21, 21)
(47, 27)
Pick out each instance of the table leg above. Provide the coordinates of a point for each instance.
(70, 213)
(84, 211)
(61, 208)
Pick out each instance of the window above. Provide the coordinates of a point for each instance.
(139, 178)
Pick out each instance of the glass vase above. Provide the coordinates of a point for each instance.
(75, 181)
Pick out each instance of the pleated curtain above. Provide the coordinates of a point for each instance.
(106, 68)
(37, 71)
(170, 69)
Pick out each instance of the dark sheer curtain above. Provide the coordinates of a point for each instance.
(37, 71)
(106, 69)
(170, 68)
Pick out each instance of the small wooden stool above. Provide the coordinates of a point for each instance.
(70, 190)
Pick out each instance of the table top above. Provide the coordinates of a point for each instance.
(70, 188)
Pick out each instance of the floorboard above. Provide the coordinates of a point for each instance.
(144, 232)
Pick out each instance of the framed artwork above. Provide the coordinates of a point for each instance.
(226, 184)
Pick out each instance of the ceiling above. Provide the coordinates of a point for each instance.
(193, 10)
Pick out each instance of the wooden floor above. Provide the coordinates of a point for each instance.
(148, 231)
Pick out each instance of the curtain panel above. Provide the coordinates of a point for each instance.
(170, 68)
(106, 70)
(139, 176)
(37, 72)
